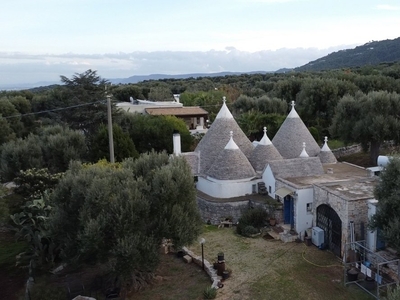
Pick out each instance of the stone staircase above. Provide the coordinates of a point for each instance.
(282, 232)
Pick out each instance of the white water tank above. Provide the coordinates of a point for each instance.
(383, 160)
(317, 236)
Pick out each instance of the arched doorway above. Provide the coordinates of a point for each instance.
(329, 221)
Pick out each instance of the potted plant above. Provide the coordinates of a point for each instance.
(271, 210)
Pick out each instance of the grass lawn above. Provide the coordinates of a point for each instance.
(176, 280)
(270, 269)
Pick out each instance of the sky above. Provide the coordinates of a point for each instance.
(43, 39)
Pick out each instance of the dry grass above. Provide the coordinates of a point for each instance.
(271, 269)
(176, 279)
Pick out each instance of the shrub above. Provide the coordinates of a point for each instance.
(253, 217)
(250, 230)
(210, 293)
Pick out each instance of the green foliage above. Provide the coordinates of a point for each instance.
(32, 183)
(371, 53)
(249, 230)
(209, 293)
(263, 104)
(31, 223)
(60, 145)
(210, 101)
(369, 119)
(123, 144)
(124, 92)
(252, 218)
(81, 90)
(315, 133)
(20, 155)
(160, 93)
(45, 291)
(253, 122)
(387, 217)
(8, 251)
(393, 293)
(14, 126)
(154, 132)
(53, 148)
(335, 144)
(119, 215)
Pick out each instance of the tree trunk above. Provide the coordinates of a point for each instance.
(374, 152)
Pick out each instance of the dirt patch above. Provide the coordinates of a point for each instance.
(267, 236)
(176, 279)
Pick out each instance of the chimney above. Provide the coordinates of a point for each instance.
(176, 97)
(176, 139)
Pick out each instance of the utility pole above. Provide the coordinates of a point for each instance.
(110, 129)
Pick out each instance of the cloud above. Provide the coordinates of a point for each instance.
(18, 68)
(387, 7)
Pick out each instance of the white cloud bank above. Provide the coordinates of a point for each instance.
(21, 68)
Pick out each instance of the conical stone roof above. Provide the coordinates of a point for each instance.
(231, 164)
(217, 137)
(326, 156)
(264, 152)
(290, 135)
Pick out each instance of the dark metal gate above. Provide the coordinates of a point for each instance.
(329, 221)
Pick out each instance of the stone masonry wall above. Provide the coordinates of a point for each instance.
(343, 151)
(214, 212)
(347, 210)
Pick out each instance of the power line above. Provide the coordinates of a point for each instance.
(51, 110)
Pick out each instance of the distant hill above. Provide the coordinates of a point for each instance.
(138, 78)
(371, 53)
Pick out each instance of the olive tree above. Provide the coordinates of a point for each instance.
(369, 119)
(387, 192)
(119, 213)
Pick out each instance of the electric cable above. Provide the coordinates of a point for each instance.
(54, 109)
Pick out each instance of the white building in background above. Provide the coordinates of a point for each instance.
(194, 117)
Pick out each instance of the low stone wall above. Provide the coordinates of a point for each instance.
(215, 279)
(343, 151)
(213, 212)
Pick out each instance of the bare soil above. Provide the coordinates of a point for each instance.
(176, 280)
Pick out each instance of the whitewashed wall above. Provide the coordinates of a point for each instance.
(269, 180)
(226, 188)
(303, 218)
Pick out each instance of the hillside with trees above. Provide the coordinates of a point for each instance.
(371, 53)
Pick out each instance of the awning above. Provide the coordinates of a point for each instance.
(283, 192)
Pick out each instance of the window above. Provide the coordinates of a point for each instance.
(269, 189)
(254, 188)
(309, 207)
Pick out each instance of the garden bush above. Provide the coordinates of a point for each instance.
(251, 221)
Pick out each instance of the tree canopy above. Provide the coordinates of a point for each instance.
(154, 132)
(387, 192)
(369, 119)
(119, 213)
